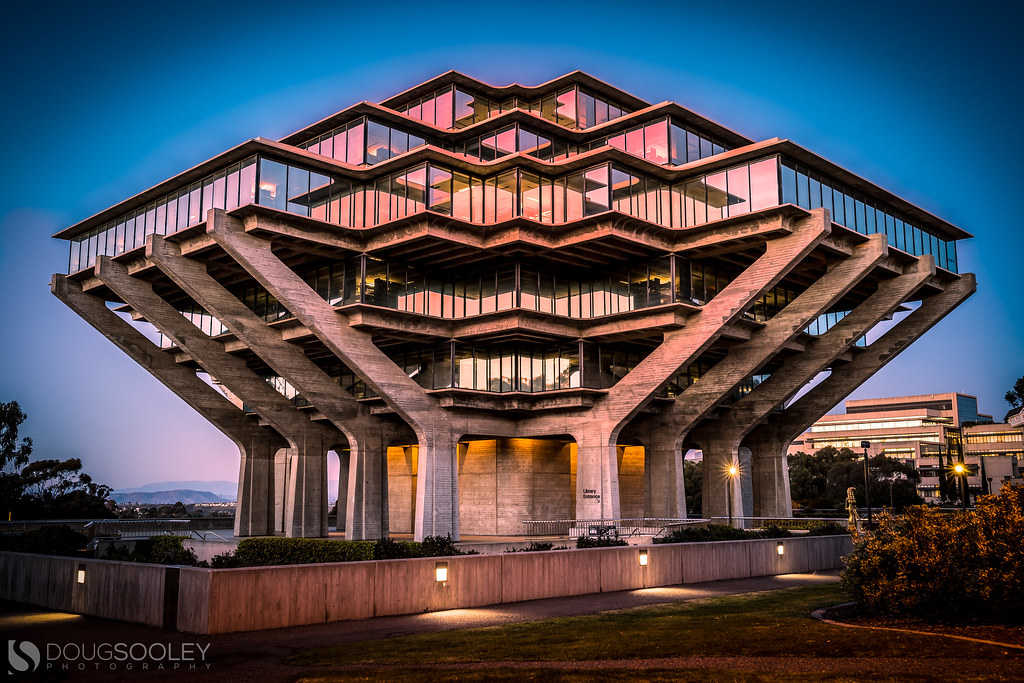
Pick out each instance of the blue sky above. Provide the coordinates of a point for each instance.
(105, 100)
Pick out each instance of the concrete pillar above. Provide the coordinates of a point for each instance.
(720, 453)
(663, 473)
(366, 497)
(597, 474)
(305, 496)
(254, 506)
(302, 435)
(437, 485)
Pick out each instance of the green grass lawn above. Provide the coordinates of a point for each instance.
(769, 624)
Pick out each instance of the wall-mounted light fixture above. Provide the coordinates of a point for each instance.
(780, 549)
(643, 558)
(441, 572)
(81, 574)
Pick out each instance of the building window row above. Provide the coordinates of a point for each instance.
(515, 193)
(996, 437)
(810, 190)
(453, 108)
(364, 141)
(857, 426)
(511, 368)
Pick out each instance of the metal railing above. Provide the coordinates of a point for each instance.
(782, 522)
(574, 528)
(137, 528)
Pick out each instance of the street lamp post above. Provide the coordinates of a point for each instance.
(867, 483)
(733, 471)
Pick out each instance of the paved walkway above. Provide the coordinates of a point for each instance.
(260, 655)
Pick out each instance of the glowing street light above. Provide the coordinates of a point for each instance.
(961, 471)
(733, 472)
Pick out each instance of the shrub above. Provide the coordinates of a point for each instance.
(945, 566)
(262, 552)
(156, 550)
(390, 549)
(599, 542)
(711, 532)
(534, 547)
(438, 546)
(773, 530)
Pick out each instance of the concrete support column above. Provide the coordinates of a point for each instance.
(663, 472)
(597, 475)
(366, 498)
(305, 496)
(254, 507)
(769, 469)
(437, 485)
(720, 453)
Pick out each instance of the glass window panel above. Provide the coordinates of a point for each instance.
(527, 142)
(341, 145)
(298, 191)
(461, 200)
(838, 207)
(802, 191)
(327, 146)
(601, 114)
(207, 201)
(356, 146)
(505, 141)
(415, 182)
(859, 216)
(530, 189)
(440, 190)
(705, 148)
(195, 204)
(427, 110)
(826, 200)
(850, 212)
(505, 196)
(677, 145)
(160, 224)
(378, 145)
(635, 142)
(246, 184)
(273, 178)
(718, 197)
(182, 209)
(656, 142)
(587, 112)
(463, 112)
(788, 185)
(739, 191)
(443, 108)
(573, 197)
(764, 184)
(319, 195)
(692, 146)
(219, 184)
(596, 198)
(815, 199)
(566, 107)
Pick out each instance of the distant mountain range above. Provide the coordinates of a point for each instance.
(188, 496)
(195, 491)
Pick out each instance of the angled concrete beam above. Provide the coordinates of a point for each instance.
(846, 378)
(682, 347)
(742, 360)
(203, 398)
(286, 359)
(306, 486)
(597, 479)
(437, 477)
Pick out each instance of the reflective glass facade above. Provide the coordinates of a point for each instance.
(453, 108)
(363, 141)
(514, 193)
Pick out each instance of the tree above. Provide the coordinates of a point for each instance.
(43, 489)
(1015, 396)
(850, 472)
(809, 476)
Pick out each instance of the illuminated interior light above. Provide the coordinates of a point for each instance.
(441, 572)
(81, 573)
(780, 549)
(643, 558)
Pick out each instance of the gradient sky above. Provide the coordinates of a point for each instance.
(104, 101)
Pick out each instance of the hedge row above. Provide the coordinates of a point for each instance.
(263, 552)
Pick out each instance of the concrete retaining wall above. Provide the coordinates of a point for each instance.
(115, 590)
(224, 600)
